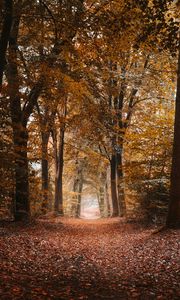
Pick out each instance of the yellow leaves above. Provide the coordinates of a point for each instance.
(75, 88)
(150, 134)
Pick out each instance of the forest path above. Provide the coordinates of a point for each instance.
(68, 259)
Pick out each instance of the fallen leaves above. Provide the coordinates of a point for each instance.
(75, 259)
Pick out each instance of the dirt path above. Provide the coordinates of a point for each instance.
(78, 259)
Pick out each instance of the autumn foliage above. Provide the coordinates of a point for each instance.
(89, 149)
(75, 259)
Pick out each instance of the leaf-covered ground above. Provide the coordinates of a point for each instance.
(77, 259)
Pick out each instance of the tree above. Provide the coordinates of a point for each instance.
(101, 57)
(58, 144)
(173, 217)
(24, 90)
(6, 161)
(46, 122)
(78, 185)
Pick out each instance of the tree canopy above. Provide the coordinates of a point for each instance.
(87, 92)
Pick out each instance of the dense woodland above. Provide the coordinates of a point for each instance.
(88, 93)
(89, 127)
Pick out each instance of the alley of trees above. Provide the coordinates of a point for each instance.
(87, 108)
(89, 128)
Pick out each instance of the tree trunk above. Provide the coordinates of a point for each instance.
(80, 187)
(107, 201)
(45, 172)
(120, 185)
(102, 194)
(22, 206)
(20, 133)
(6, 28)
(173, 217)
(58, 204)
(107, 204)
(101, 200)
(115, 210)
(75, 198)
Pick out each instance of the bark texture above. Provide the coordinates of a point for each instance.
(120, 185)
(58, 203)
(45, 172)
(115, 209)
(173, 217)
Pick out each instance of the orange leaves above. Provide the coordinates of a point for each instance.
(16, 291)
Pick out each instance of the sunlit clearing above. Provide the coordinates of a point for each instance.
(90, 207)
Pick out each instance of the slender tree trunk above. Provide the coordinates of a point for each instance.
(173, 217)
(45, 172)
(107, 196)
(115, 210)
(101, 200)
(58, 203)
(6, 28)
(75, 199)
(120, 185)
(107, 201)
(79, 197)
(102, 194)
(78, 186)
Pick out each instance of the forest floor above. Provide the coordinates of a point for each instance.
(78, 259)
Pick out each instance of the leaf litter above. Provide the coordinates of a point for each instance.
(73, 259)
